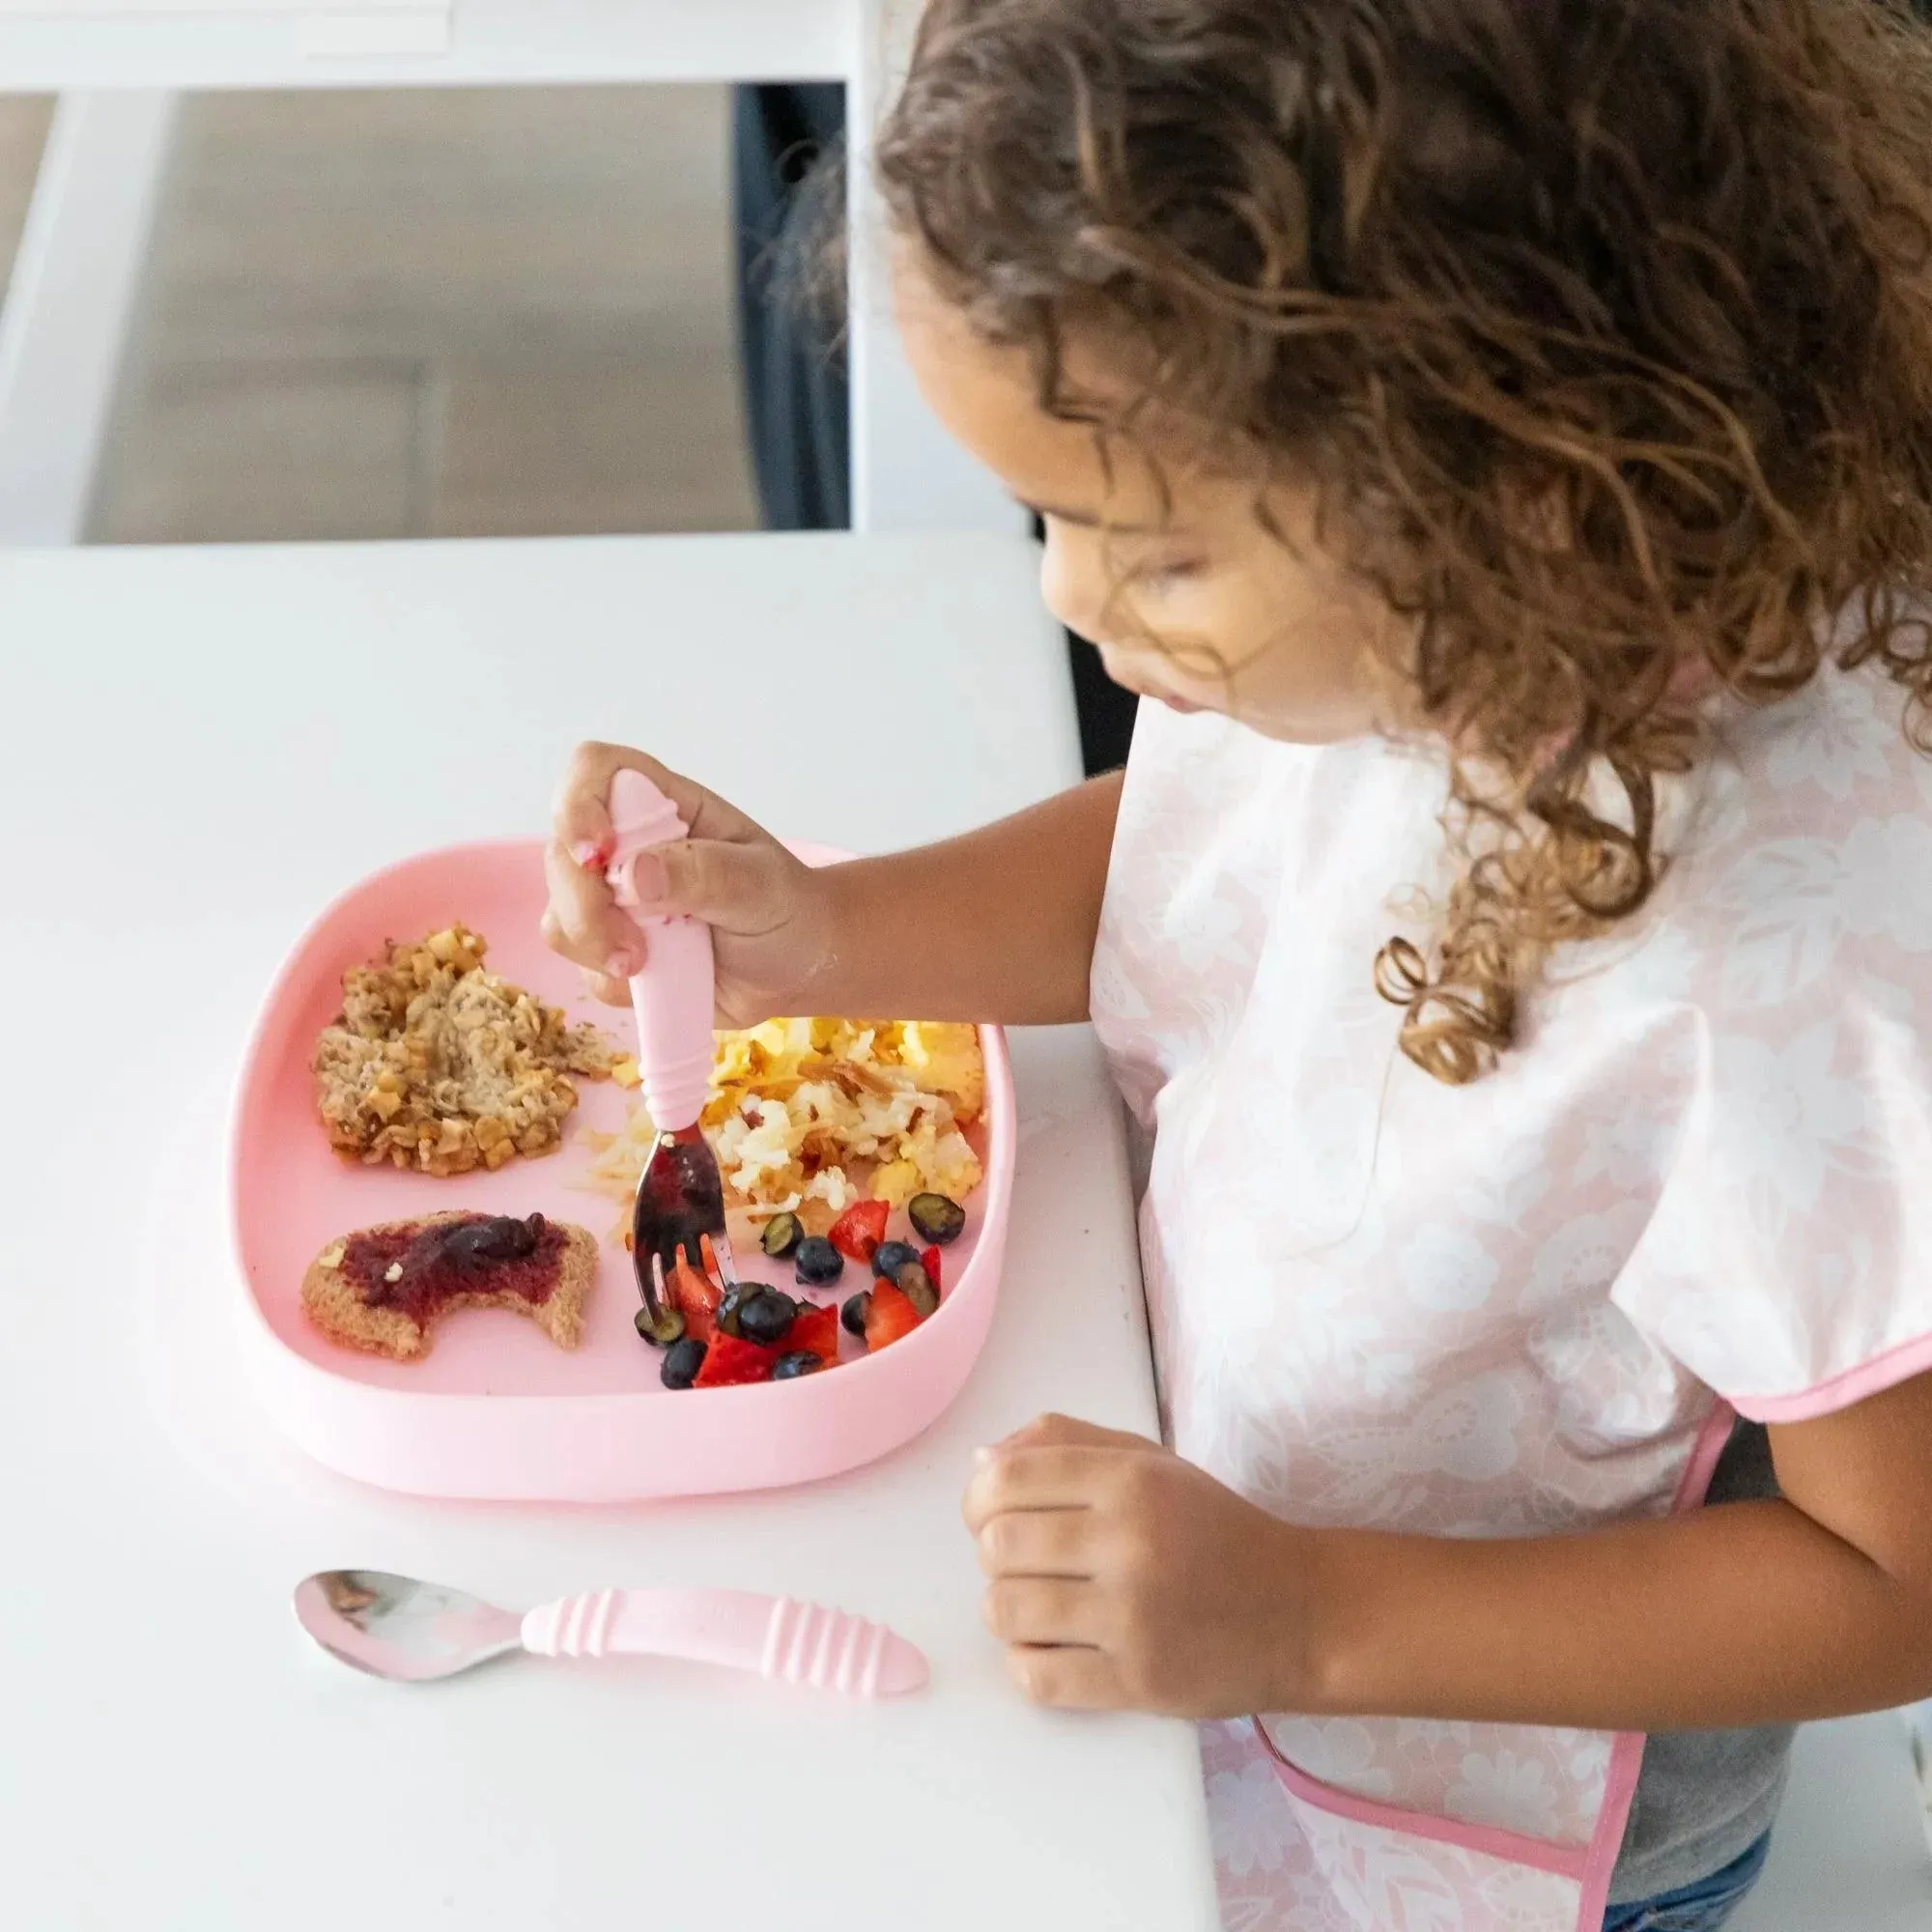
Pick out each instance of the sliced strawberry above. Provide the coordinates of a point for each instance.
(929, 1259)
(817, 1329)
(730, 1359)
(857, 1232)
(888, 1317)
(697, 1300)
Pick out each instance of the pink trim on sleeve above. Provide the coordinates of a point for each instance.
(1873, 1378)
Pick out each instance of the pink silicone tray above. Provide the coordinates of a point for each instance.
(496, 1409)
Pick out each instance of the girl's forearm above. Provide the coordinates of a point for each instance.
(1739, 1614)
(997, 924)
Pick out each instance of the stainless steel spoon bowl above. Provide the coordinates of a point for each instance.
(395, 1626)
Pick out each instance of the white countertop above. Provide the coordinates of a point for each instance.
(202, 747)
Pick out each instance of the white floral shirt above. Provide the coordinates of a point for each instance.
(1700, 1178)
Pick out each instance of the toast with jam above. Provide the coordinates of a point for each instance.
(385, 1289)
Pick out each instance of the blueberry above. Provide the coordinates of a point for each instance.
(889, 1257)
(726, 1318)
(766, 1316)
(818, 1262)
(682, 1362)
(661, 1334)
(782, 1234)
(852, 1316)
(497, 1238)
(916, 1285)
(800, 1362)
(936, 1218)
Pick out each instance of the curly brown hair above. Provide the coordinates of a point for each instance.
(1602, 329)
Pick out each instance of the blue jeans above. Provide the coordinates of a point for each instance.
(1693, 1908)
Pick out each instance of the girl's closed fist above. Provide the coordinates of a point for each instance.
(1124, 1579)
(767, 910)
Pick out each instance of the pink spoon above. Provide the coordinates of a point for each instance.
(397, 1627)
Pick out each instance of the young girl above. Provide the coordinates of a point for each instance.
(1496, 436)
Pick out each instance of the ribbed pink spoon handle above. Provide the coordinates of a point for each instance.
(777, 1636)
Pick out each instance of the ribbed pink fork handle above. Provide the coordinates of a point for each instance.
(777, 1636)
(673, 996)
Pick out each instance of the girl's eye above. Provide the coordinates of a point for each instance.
(1158, 578)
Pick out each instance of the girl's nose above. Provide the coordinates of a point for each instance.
(1071, 582)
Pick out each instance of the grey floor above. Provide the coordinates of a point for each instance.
(430, 313)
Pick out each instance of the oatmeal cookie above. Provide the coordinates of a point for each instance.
(438, 1065)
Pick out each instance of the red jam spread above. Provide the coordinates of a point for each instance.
(417, 1269)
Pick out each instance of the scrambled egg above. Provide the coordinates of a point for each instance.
(807, 1116)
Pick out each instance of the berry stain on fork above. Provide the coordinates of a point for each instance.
(678, 1220)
